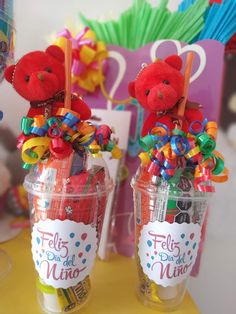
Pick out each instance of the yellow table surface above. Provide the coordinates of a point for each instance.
(113, 285)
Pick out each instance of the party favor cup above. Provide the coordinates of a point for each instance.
(67, 209)
(169, 216)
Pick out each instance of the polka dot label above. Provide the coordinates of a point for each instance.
(63, 251)
(167, 251)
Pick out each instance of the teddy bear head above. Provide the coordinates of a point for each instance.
(38, 75)
(159, 86)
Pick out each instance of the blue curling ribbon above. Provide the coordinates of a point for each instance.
(201, 126)
(70, 120)
(156, 161)
(92, 138)
(100, 139)
(164, 174)
(167, 165)
(180, 145)
(39, 131)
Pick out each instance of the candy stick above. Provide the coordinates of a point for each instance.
(188, 70)
(68, 61)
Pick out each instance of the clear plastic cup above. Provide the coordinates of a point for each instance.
(67, 200)
(169, 216)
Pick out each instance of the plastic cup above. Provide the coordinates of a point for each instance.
(168, 216)
(67, 200)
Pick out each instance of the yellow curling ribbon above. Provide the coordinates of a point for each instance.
(194, 151)
(94, 148)
(116, 152)
(145, 158)
(154, 292)
(37, 145)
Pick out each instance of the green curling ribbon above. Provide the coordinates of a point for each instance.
(67, 138)
(179, 132)
(110, 146)
(26, 124)
(219, 167)
(146, 143)
(51, 121)
(27, 166)
(45, 288)
(206, 143)
(32, 154)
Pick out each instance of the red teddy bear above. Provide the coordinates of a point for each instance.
(159, 89)
(39, 77)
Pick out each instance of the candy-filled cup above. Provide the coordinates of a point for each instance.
(67, 200)
(169, 216)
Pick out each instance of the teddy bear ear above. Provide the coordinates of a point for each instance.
(174, 61)
(8, 74)
(131, 88)
(56, 52)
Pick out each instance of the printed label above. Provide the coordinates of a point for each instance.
(160, 208)
(63, 251)
(168, 251)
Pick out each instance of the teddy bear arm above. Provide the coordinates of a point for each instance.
(153, 119)
(148, 124)
(193, 115)
(82, 108)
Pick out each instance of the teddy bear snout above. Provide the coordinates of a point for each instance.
(160, 95)
(40, 76)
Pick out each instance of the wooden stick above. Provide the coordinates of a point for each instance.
(187, 74)
(68, 62)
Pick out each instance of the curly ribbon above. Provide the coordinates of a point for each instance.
(34, 149)
(87, 52)
(59, 136)
(163, 151)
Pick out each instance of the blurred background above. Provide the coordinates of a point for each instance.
(213, 290)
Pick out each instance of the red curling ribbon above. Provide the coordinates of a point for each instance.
(21, 140)
(54, 131)
(202, 176)
(159, 156)
(167, 173)
(170, 163)
(59, 148)
(103, 134)
(153, 168)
